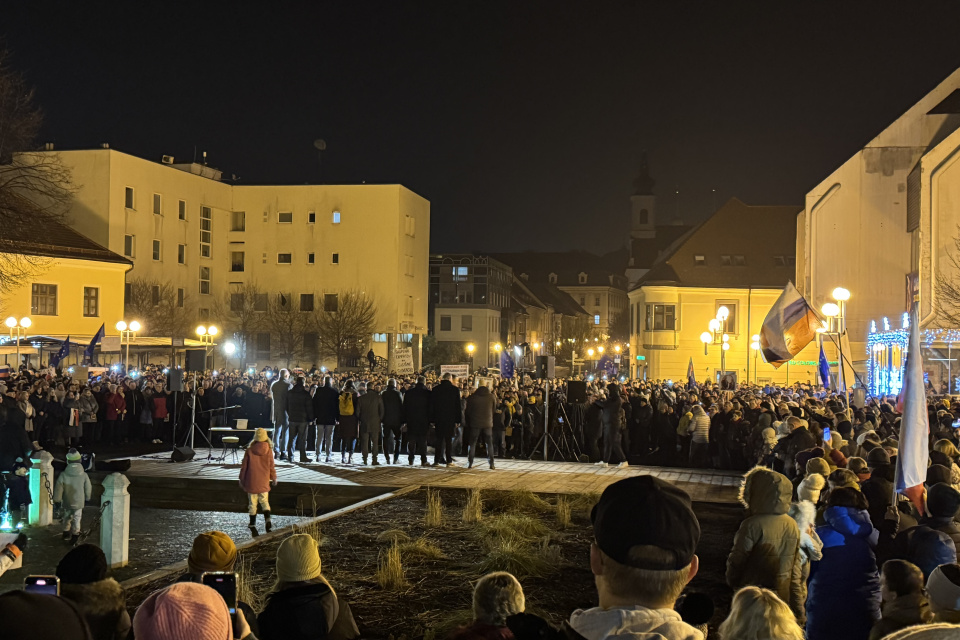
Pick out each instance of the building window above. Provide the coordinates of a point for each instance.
(408, 265)
(730, 326)
(311, 258)
(411, 226)
(661, 317)
(129, 246)
(460, 274)
(596, 301)
(284, 300)
(236, 261)
(445, 323)
(181, 254)
(552, 278)
(156, 250)
(181, 294)
(700, 261)
(583, 300)
(408, 307)
(466, 323)
(260, 302)
(206, 231)
(285, 217)
(157, 210)
(336, 217)
(739, 261)
(91, 302)
(182, 209)
(379, 337)
(238, 221)
(312, 217)
(205, 280)
(236, 302)
(306, 302)
(155, 295)
(128, 201)
(331, 302)
(263, 345)
(284, 258)
(596, 319)
(725, 261)
(779, 261)
(582, 278)
(43, 299)
(644, 216)
(335, 259)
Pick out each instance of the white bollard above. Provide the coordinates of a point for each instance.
(115, 524)
(41, 490)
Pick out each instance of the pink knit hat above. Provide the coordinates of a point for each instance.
(183, 611)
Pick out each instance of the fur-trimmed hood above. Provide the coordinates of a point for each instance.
(804, 513)
(103, 605)
(765, 491)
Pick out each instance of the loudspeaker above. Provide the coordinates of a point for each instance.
(196, 360)
(182, 454)
(577, 391)
(545, 367)
(175, 380)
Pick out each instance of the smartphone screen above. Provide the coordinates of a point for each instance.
(225, 583)
(826, 434)
(49, 585)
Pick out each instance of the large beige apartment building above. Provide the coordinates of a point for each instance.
(184, 225)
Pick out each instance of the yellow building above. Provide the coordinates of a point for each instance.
(739, 258)
(183, 224)
(73, 285)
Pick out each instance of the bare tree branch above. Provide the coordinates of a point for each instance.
(947, 287)
(347, 329)
(154, 304)
(242, 313)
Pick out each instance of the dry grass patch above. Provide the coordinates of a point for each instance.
(473, 510)
(518, 501)
(393, 535)
(312, 529)
(390, 574)
(521, 558)
(563, 513)
(583, 503)
(434, 514)
(510, 526)
(421, 548)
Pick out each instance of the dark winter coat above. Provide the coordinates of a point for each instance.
(925, 547)
(392, 408)
(308, 612)
(416, 409)
(326, 407)
(843, 595)
(257, 470)
(905, 611)
(278, 393)
(116, 405)
(878, 490)
(799, 440)
(611, 411)
(299, 404)
(103, 605)
(253, 408)
(14, 443)
(370, 410)
(480, 407)
(445, 405)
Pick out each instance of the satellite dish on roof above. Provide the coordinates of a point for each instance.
(320, 144)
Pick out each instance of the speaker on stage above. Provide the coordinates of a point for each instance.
(196, 359)
(182, 454)
(545, 367)
(175, 380)
(577, 391)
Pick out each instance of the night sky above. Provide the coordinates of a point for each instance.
(522, 122)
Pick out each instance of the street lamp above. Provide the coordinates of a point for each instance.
(126, 332)
(20, 327)
(717, 335)
(229, 349)
(755, 345)
(207, 334)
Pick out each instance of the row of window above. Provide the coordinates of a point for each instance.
(466, 323)
(700, 260)
(44, 300)
(663, 317)
(237, 258)
(238, 301)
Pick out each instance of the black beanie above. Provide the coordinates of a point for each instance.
(35, 616)
(943, 501)
(937, 473)
(83, 564)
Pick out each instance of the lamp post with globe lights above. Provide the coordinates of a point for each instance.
(755, 345)
(20, 328)
(229, 349)
(717, 335)
(207, 335)
(470, 349)
(127, 329)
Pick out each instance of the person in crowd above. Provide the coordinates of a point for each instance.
(394, 438)
(348, 427)
(811, 547)
(593, 428)
(98, 597)
(325, 412)
(943, 593)
(12, 551)
(878, 489)
(859, 467)
(89, 408)
(35, 616)
(766, 548)
(843, 594)
(496, 597)
(416, 420)
(787, 448)
(612, 418)
(758, 614)
(258, 474)
(159, 413)
(72, 489)
(278, 394)
(933, 541)
(303, 605)
(699, 431)
(188, 611)
(370, 410)
(116, 405)
(446, 412)
(478, 418)
(904, 602)
(299, 415)
(72, 428)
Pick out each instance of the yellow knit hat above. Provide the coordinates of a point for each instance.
(212, 551)
(260, 435)
(298, 559)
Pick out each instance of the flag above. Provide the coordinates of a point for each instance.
(61, 354)
(914, 428)
(691, 375)
(88, 352)
(789, 326)
(506, 365)
(824, 369)
(849, 376)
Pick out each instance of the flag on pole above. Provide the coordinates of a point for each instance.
(789, 327)
(848, 375)
(691, 375)
(824, 369)
(61, 354)
(88, 352)
(506, 365)
(914, 428)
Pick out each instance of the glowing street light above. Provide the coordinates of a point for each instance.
(830, 310)
(841, 295)
(127, 329)
(20, 328)
(207, 334)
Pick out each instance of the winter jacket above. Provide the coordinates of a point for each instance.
(416, 409)
(799, 440)
(116, 405)
(445, 406)
(14, 443)
(299, 404)
(103, 605)
(610, 416)
(158, 406)
(392, 407)
(257, 470)
(370, 410)
(878, 491)
(843, 598)
(632, 623)
(766, 548)
(72, 487)
(905, 611)
(699, 428)
(925, 547)
(308, 612)
(480, 408)
(88, 407)
(326, 408)
(278, 393)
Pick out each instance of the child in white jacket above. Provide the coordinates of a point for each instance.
(73, 489)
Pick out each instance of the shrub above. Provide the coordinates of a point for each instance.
(563, 512)
(421, 548)
(521, 558)
(510, 526)
(390, 569)
(473, 510)
(434, 514)
(520, 500)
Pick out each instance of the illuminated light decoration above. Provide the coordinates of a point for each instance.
(873, 326)
(886, 323)
(905, 322)
(886, 354)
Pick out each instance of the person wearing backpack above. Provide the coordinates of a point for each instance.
(348, 429)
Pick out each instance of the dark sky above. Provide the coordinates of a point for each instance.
(522, 122)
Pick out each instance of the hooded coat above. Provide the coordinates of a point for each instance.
(306, 612)
(72, 487)
(843, 598)
(766, 549)
(257, 470)
(632, 623)
(904, 611)
(103, 605)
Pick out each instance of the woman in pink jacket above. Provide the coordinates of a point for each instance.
(257, 476)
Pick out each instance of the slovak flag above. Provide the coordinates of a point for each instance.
(789, 327)
(691, 375)
(914, 427)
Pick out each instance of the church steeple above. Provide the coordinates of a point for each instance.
(643, 185)
(643, 204)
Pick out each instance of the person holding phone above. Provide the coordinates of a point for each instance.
(12, 551)
(186, 611)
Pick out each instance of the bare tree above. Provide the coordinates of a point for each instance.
(345, 322)
(947, 286)
(35, 187)
(575, 334)
(287, 325)
(242, 313)
(154, 304)
(619, 329)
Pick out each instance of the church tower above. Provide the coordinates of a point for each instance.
(643, 204)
